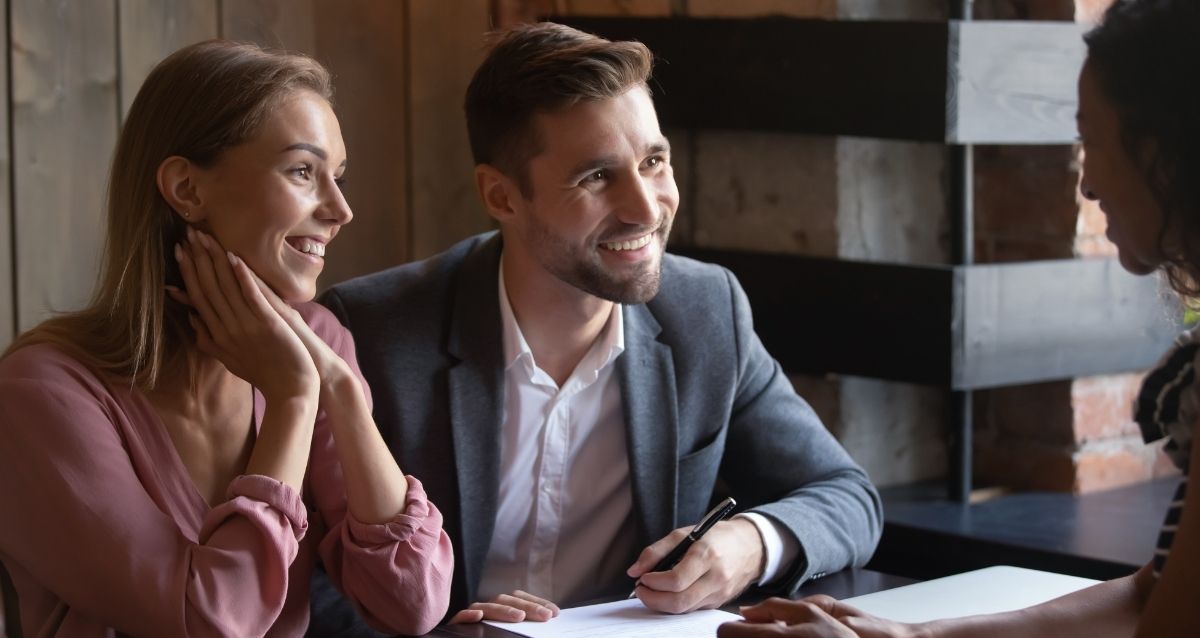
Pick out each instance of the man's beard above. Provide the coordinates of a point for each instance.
(587, 272)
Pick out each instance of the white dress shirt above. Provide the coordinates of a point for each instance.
(565, 512)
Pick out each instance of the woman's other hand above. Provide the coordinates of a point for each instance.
(514, 607)
(815, 617)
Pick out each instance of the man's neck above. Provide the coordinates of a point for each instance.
(559, 322)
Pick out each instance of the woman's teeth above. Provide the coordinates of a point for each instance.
(633, 244)
(310, 247)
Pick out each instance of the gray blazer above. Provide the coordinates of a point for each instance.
(706, 407)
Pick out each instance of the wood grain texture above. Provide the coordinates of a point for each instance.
(7, 301)
(446, 45)
(1044, 320)
(640, 8)
(150, 30)
(285, 24)
(1013, 82)
(362, 42)
(64, 114)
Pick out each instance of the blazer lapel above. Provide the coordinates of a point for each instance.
(476, 383)
(647, 379)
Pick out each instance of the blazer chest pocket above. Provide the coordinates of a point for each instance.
(697, 476)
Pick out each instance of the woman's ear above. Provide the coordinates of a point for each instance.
(177, 183)
(497, 191)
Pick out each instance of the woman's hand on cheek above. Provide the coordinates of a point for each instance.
(331, 368)
(236, 324)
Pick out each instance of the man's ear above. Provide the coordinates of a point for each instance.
(500, 194)
(177, 182)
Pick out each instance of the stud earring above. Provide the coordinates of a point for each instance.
(186, 214)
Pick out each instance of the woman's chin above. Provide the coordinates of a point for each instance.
(1135, 265)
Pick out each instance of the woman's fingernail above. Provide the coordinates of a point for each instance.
(178, 253)
(233, 260)
(191, 233)
(171, 288)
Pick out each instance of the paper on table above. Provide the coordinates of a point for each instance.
(983, 591)
(622, 618)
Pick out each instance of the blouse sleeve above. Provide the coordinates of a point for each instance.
(79, 520)
(398, 573)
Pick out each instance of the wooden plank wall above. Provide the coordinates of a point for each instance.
(64, 124)
(400, 68)
(7, 307)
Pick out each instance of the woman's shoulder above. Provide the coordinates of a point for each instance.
(45, 362)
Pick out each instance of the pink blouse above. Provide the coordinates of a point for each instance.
(103, 530)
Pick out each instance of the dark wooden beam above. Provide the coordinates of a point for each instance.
(963, 327)
(818, 315)
(961, 82)
(873, 79)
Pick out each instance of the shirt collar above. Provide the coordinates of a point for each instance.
(608, 346)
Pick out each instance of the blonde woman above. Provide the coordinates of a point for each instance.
(176, 457)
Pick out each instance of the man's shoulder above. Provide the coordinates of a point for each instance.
(419, 282)
(691, 286)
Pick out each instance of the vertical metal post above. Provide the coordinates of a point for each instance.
(962, 221)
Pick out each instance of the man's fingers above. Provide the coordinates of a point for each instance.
(655, 552)
(687, 573)
(705, 592)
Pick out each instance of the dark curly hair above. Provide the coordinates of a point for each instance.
(1145, 55)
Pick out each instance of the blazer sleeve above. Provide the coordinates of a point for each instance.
(78, 519)
(780, 455)
(397, 574)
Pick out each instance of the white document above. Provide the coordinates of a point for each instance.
(983, 591)
(620, 619)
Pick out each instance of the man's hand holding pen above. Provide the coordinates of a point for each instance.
(716, 568)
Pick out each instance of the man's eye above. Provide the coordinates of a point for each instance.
(596, 176)
(653, 161)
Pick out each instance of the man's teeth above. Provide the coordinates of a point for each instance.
(311, 247)
(629, 245)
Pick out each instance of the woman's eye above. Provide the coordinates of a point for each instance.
(340, 182)
(303, 172)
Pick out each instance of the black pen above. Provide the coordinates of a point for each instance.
(714, 516)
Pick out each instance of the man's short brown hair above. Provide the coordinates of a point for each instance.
(538, 68)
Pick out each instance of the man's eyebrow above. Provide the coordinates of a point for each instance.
(659, 147)
(311, 148)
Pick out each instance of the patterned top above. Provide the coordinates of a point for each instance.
(1167, 407)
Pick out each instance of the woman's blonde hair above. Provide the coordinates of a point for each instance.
(198, 102)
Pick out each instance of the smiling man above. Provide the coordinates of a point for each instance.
(571, 395)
